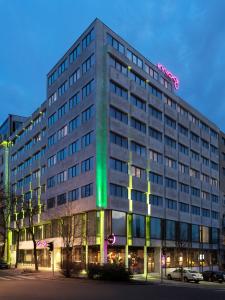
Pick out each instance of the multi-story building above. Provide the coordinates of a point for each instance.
(8, 127)
(115, 144)
(222, 195)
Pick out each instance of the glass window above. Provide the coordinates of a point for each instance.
(170, 230)
(138, 226)
(155, 228)
(119, 223)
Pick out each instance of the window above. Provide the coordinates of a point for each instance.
(74, 77)
(118, 191)
(62, 67)
(118, 139)
(154, 91)
(195, 233)
(155, 178)
(75, 53)
(155, 228)
(74, 147)
(61, 154)
(183, 112)
(195, 210)
(140, 126)
(52, 119)
(52, 78)
(215, 215)
(151, 72)
(63, 88)
(138, 196)
(51, 182)
(205, 213)
(61, 177)
(87, 165)
(195, 192)
(118, 90)
(134, 58)
(195, 155)
(170, 142)
(205, 144)
(61, 199)
(87, 114)
(87, 139)
(170, 183)
(170, 122)
(50, 203)
(155, 134)
(156, 200)
(214, 166)
(184, 188)
(194, 137)
(155, 113)
(193, 119)
(73, 101)
(205, 195)
(156, 156)
(87, 89)
(214, 150)
(62, 132)
(214, 198)
(62, 110)
(194, 173)
(88, 39)
(73, 171)
(170, 230)
(138, 228)
(170, 102)
(87, 190)
(119, 223)
(118, 165)
(138, 79)
(139, 103)
(137, 172)
(214, 134)
(214, 182)
(183, 130)
(118, 65)
(52, 99)
(205, 178)
(205, 161)
(138, 149)
(214, 235)
(75, 123)
(183, 149)
(88, 63)
(171, 163)
(118, 115)
(184, 207)
(115, 44)
(52, 161)
(171, 204)
(204, 127)
(73, 195)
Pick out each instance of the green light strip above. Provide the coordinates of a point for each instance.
(101, 135)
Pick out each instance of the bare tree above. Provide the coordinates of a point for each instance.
(31, 209)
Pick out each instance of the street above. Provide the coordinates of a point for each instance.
(37, 287)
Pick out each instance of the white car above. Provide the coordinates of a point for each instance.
(186, 275)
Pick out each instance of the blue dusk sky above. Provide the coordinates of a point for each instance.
(187, 36)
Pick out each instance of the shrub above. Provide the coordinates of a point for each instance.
(111, 272)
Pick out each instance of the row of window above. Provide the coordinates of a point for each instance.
(72, 57)
(82, 192)
(182, 111)
(141, 126)
(139, 149)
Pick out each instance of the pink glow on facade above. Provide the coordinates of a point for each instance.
(42, 244)
(175, 80)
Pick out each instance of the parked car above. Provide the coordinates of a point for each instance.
(214, 276)
(186, 275)
(3, 265)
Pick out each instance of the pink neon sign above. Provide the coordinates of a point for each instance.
(41, 244)
(175, 80)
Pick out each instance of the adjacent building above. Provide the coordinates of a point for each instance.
(116, 146)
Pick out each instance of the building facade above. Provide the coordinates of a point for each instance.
(116, 148)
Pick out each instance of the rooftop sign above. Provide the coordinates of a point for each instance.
(169, 74)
